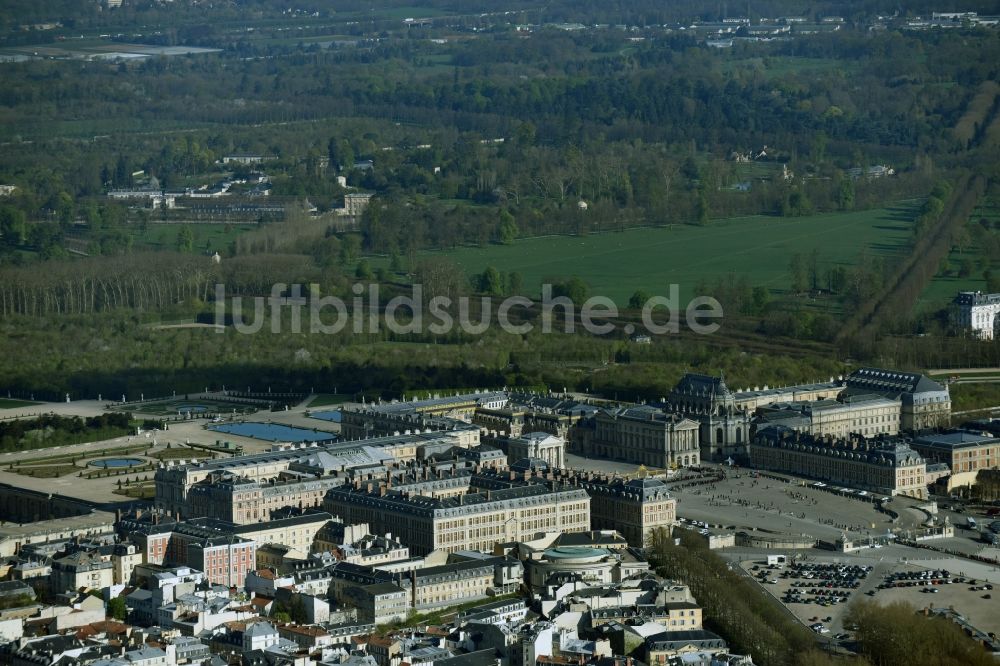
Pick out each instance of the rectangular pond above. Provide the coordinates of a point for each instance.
(273, 432)
(331, 415)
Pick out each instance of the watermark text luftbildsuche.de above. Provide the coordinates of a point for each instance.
(415, 313)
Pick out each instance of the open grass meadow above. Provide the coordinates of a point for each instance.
(943, 288)
(616, 264)
(328, 399)
(208, 237)
(9, 403)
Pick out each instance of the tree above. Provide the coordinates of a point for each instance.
(818, 148)
(797, 270)
(350, 248)
(297, 611)
(491, 282)
(13, 226)
(340, 153)
(396, 263)
(508, 228)
(845, 194)
(796, 204)
(638, 299)
(702, 208)
(363, 271)
(814, 269)
(574, 288)
(515, 283)
(185, 239)
(117, 608)
(992, 281)
(896, 635)
(760, 297)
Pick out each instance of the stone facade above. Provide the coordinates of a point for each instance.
(540, 445)
(924, 403)
(635, 508)
(885, 465)
(724, 430)
(474, 521)
(643, 435)
(866, 415)
(977, 312)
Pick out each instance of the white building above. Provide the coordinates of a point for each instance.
(355, 203)
(540, 445)
(977, 312)
(259, 636)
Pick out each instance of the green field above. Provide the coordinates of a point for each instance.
(7, 403)
(618, 264)
(327, 399)
(943, 288)
(207, 237)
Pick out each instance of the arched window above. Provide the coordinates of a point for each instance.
(719, 436)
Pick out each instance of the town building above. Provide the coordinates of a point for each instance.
(924, 403)
(965, 452)
(884, 465)
(643, 435)
(248, 488)
(437, 413)
(472, 521)
(529, 412)
(865, 414)
(355, 203)
(724, 426)
(660, 647)
(750, 400)
(634, 507)
(225, 558)
(537, 445)
(81, 570)
(581, 566)
(243, 158)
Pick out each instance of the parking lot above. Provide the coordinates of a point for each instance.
(818, 589)
(817, 592)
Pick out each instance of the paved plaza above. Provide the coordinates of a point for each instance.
(745, 502)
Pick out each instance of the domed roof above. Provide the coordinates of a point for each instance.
(578, 553)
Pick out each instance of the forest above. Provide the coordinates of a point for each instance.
(54, 430)
(471, 131)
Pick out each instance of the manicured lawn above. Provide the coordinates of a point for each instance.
(618, 264)
(180, 453)
(7, 403)
(324, 399)
(46, 471)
